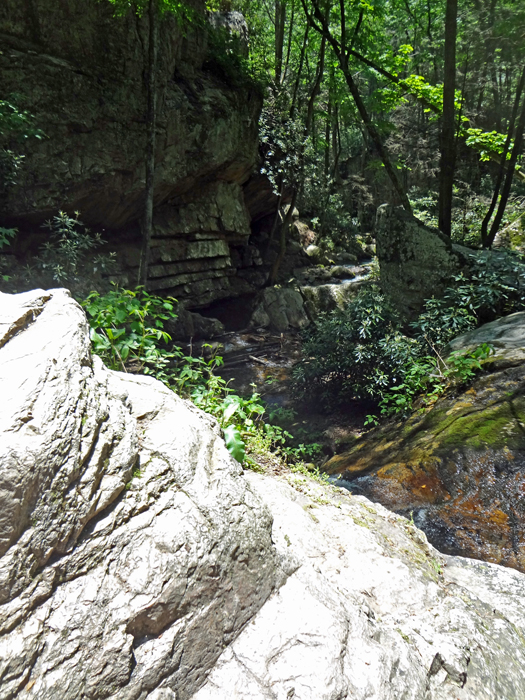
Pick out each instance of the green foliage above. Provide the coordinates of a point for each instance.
(66, 253)
(6, 236)
(226, 59)
(127, 332)
(468, 212)
(310, 452)
(235, 443)
(178, 8)
(487, 142)
(17, 124)
(127, 327)
(365, 352)
(355, 352)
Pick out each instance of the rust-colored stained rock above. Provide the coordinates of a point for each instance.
(459, 469)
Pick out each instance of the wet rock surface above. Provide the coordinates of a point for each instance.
(138, 560)
(458, 469)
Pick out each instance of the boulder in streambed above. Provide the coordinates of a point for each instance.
(280, 309)
(138, 560)
(458, 467)
(323, 298)
(506, 336)
(416, 261)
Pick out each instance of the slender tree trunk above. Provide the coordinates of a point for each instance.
(501, 171)
(275, 221)
(151, 119)
(316, 88)
(448, 130)
(336, 144)
(299, 70)
(285, 227)
(518, 143)
(289, 43)
(327, 135)
(280, 21)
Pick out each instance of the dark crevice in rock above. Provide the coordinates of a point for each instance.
(24, 321)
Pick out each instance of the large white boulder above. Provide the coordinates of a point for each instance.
(372, 611)
(138, 561)
(133, 548)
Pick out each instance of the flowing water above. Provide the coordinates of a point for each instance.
(470, 504)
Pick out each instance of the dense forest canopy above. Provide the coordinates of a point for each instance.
(356, 96)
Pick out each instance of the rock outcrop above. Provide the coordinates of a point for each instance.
(459, 467)
(280, 309)
(80, 71)
(133, 550)
(137, 560)
(506, 337)
(416, 261)
(372, 611)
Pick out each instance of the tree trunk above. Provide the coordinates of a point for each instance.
(327, 135)
(485, 238)
(285, 227)
(518, 143)
(280, 21)
(289, 44)
(316, 88)
(448, 130)
(151, 119)
(299, 70)
(376, 140)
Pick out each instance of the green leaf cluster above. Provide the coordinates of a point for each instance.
(128, 333)
(69, 250)
(366, 352)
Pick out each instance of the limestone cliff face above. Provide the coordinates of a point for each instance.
(80, 71)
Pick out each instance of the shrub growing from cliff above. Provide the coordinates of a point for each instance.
(17, 125)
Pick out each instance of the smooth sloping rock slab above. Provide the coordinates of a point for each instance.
(372, 612)
(133, 548)
(458, 467)
(506, 336)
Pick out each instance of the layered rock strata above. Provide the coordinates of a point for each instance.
(80, 71)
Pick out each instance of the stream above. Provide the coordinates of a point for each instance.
(464, 504)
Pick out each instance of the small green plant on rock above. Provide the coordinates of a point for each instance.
(66, 252)
(127, 332)
(127, 328)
